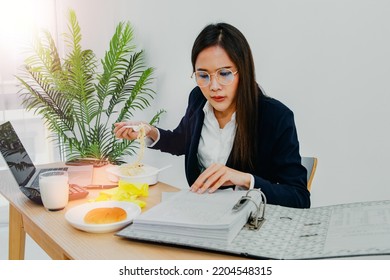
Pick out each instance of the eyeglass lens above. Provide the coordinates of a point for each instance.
(223, 76)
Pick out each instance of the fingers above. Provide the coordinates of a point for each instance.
(131, 130)
(123, 132)
(147, 128)
(212, 179)
(218, 175)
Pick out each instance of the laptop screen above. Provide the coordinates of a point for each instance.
(15, 155)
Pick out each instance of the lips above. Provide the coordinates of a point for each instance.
(218, 98)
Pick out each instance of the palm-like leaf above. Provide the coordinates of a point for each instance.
(79, 104)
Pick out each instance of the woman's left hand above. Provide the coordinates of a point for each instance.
(217, 175)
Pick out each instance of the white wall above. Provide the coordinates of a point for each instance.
(328, 60)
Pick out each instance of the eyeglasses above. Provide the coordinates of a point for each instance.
(224, 77)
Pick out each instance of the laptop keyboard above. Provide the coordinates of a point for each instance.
(75, 191)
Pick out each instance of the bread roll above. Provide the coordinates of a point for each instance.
(105, 215)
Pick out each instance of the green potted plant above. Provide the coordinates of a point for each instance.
(79, 99)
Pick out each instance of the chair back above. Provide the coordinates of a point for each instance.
(310, 163)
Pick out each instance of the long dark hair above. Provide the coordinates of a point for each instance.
(236, 46)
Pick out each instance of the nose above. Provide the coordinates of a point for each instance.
(214, 84)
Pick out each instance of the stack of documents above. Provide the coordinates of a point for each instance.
(196, 216)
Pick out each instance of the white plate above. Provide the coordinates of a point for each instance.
(75, 216)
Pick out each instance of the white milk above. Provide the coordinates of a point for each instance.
(54, 189)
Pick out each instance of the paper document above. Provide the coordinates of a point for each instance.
(353, 229)
(196, 215)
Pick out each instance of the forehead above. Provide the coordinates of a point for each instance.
(213, 58)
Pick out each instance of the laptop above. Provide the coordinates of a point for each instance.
(23, 169)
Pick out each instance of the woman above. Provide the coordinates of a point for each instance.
(232, 134)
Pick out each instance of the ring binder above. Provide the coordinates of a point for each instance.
(255, 220)
(334, 231)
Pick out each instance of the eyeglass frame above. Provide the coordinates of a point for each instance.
(214, 74)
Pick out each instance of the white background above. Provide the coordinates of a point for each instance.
(328, 60)
(279, 270)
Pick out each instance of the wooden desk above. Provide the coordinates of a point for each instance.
(60, 240)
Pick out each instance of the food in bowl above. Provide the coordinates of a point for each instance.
(105, 215)
(146, 174)
(136, 172)
(132, 169)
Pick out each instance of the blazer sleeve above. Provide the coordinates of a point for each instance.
(286, 180)
(172, 142)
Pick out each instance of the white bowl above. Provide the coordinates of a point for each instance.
(148, 176)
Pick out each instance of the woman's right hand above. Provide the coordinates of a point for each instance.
(122, 131)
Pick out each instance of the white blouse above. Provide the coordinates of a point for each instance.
(215, 143)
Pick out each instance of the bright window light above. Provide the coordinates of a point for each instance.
(19, 21)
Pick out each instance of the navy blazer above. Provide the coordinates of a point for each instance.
(278, 169)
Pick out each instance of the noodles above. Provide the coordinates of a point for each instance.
(136, 167)
(132, 169)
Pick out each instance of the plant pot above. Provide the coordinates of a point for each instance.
(88, 161)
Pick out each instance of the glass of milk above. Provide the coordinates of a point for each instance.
(54, 189)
